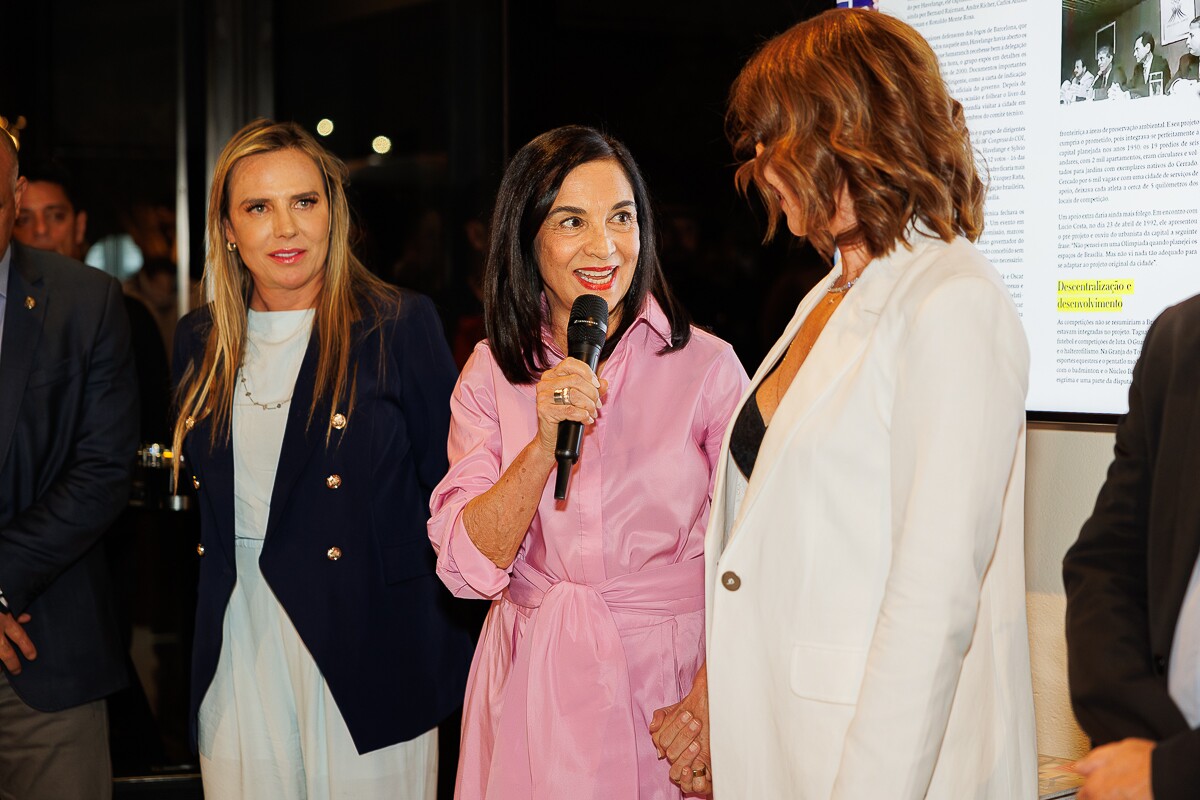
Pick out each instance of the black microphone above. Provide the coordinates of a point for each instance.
(586, 332)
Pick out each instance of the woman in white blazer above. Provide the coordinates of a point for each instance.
(866, 593)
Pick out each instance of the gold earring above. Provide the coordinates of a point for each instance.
(231, 246)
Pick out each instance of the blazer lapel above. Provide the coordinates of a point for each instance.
(297, 447)
(22, 334)
(299, 438)
(730, 487)
(838, 349)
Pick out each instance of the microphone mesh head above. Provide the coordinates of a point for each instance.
(589, 320)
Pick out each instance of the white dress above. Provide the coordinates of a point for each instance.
(268, 725)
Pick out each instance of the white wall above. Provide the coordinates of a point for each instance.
(1065, 468)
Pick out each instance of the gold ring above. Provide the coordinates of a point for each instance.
(700, 773)
(562, 396)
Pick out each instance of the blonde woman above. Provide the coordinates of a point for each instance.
(313, 414)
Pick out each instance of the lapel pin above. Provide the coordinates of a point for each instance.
(30, 303)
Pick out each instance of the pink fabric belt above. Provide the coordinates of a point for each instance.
(571, 678)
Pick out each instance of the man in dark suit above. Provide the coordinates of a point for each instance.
(1133, 594)
(1187, 72)
(51, 218)
(1193, 48)
(1147, 66)
(1108, 74)
(68, 433)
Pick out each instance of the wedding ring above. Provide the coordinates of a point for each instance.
(562, 397)
(700, 773)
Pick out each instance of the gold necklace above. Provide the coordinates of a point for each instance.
(263, 406)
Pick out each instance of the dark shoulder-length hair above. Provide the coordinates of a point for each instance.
(513, 309)
(855, 98)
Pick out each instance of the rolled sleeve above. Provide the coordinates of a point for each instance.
(429, 374)
(474, 449)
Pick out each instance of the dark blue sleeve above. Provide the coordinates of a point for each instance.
(428, 374)
(188, 345)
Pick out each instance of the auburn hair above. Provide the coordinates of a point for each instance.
(855, 98)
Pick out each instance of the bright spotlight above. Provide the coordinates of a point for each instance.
(325, 127)
(381, 145)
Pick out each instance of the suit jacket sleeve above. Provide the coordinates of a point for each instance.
(1175, 767)
(89, 492)
(1116, 689)
(958, 411)
(427, 378)
(180, 359)
(187, 352)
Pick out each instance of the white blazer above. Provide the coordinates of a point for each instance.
(866, 589)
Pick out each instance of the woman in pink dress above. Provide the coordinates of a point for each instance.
(598, 600)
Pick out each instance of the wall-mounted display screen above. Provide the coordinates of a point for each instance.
(1087, 118)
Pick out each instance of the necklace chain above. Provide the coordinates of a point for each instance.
(263, 406)
(834, 288)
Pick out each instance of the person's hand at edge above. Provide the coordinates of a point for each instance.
(681, 735)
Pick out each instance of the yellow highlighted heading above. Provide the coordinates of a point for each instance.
(1095, 287)
(1091, 304)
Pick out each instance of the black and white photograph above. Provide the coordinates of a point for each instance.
(1128, 50)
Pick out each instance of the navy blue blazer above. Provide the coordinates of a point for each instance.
(379, 624)
(68, 439)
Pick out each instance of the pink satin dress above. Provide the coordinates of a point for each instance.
(600, 620)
